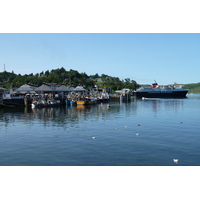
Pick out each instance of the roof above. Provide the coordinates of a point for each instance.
(79, 88)
(64, 88)
(44, 88)
(25, 89)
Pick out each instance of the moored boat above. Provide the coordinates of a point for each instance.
(67, 101)
(155, 91)
(103, 97)
(43, 103)
(11, 100)
(87, 101)
(73, 103)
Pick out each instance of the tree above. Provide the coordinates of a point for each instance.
(71, 78)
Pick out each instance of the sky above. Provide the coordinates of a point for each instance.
(143, 57)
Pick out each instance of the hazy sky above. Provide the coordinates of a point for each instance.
(165, 57)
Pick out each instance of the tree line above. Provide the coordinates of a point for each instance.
(68, 78)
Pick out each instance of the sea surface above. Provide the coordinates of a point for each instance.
(149, 132)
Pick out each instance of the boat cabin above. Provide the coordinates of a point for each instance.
(154, 85)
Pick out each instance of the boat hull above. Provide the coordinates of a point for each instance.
(67, 102)
(87, 102)
(42, 104)
(13, 102)
(73, 103)
(103, 100)
(161, 94)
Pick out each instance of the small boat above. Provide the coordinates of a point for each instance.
(103, 97)
(73, 103)
(70, 102)
(155, 91)
(67, 101)
(87, 101)
(43, 103)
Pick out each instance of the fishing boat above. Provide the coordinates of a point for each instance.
(11, 100)
(70, 102)
(67, 102)
(103, 97)
(156, 91)
(73, 103)
(87, 101)
(44, 103)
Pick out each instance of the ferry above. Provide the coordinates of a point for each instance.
(156, 91)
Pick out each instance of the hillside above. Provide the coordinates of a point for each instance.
(193, 87)
(69, 78)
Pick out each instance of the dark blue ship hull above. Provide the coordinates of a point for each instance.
(161, 94)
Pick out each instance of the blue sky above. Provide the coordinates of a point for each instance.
(165, 57)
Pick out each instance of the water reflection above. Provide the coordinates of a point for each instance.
(67, 115)
(61, 116)
(63, 136)
(157, 105)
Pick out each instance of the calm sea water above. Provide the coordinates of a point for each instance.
(150, 132)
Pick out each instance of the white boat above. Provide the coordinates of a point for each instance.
(103, 97)
(43, 103)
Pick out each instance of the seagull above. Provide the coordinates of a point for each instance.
(93, 138)
(138, 124)
(115, 128)
(175, 161)
(137, 134)
(125, 126)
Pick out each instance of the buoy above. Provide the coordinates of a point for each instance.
(138, 124)
(115, 128)
(175, 161)
(108, 106)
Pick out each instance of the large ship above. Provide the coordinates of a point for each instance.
(156, 91)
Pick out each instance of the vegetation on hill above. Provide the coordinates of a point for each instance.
(68, 78)
(193, 87)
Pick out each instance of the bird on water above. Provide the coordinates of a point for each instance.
(175, 161)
